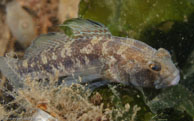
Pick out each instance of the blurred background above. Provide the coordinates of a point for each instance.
(160, 23)
(23, 20)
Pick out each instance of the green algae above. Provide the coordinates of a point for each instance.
(131, 17)
(174, 103)
(117, 97)
(177, 97)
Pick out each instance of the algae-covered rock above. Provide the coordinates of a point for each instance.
(126, 103)
(178, 97)
(131, 17)
(174, 104)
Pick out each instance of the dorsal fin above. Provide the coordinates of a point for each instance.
(78, 27)
(45, 41)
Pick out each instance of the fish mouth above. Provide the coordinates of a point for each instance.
(169, 81)
(175, 81)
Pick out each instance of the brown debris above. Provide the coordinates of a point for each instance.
(45, 13)
(96, 99)
(63, 103)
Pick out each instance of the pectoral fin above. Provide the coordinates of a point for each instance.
(84, 75)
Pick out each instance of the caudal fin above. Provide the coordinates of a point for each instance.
(8, 70)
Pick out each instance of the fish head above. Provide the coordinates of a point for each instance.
(157, 71)
(167, 71)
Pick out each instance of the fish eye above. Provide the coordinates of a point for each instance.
(155, 66)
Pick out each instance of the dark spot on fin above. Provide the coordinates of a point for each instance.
(79, 27)
(51, 33)
(94, 22)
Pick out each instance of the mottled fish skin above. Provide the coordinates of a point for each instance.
(66, 59)
(95, 50)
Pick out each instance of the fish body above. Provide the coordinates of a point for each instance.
(88, 49)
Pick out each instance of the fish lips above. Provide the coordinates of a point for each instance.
(170, 81)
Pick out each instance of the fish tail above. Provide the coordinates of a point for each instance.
(7, 69)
